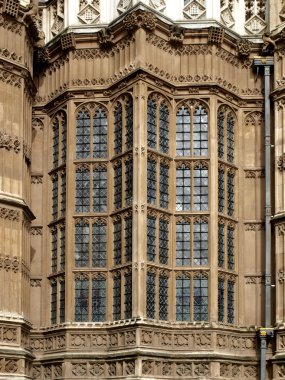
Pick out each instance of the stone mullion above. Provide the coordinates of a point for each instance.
(139, 198)
(280, 265)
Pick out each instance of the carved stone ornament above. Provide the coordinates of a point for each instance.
(281, 162)
(9, 263)
(9, 214)
(281, 275)
(35, 283)
(139, 19)
(11, 7)
(36, 179)
(9, 142)
(176, 35)
(244, 47)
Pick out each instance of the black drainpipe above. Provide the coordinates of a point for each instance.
(265, 332)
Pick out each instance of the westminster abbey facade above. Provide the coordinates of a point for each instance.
(142, 189)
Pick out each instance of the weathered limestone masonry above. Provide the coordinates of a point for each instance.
(140, 56)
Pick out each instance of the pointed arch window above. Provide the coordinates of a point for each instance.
(183, 297)
(163, 297)
(83, 146)
(100, 126)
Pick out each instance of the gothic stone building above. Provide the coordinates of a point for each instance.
(142, 192)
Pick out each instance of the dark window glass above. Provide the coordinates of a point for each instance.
(151, 238)
(99, 190)
(221, 190)
(230, 138)
(200, 243)
(100, 127)
(63, 138)
(183, 244)
(53, 302)
(129, 123)
(231, 248)
(81, 300)
(183, 139)
(200, 199)
(163, 241)
(163, 185)
(129, 182)
(118, 128)
(54, 198)
(221, 245)
(221, 300)
(98, 299)
(231, 299)
(150, 295)
(83, 135)
(128, 296)
(200, 132)
(151, 181)
(128, 239)
(221, 135)
(62, 247)
(163, 297)
(62, 302)
(54, 250)
(163, 128)
(183, 298)
(99, 245)
(55, 142)
(63, 194)
(82, 190)
(117, 242)
(231, 194)
(81, 244)
(200, 299)
(117, 298)
(118, 186)
(183, 188)
(151, 124)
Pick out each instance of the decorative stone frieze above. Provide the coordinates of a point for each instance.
(281, 162)
(254, 279)
(254, 226)
(139, 19)
(10, 78)
(244, 47)
(9, 214)
(254, 173)
(9, 142)
(35, 283)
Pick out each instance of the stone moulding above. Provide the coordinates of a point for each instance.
(10, 78)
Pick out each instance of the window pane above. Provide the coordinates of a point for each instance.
(221, 300)
(231, 194)
(118, 128)
(99, 191)
(151, 124)
(163, 185)
(129, 182)
(63, 137)
(183, 141)
(128, 296)
(62, 302)
(231, 248)
(128, 239)
(221, 190)
(183, 188)
(62, 247)
(82, 190)
(63, 194)
(221, 245)
(200, 299)
(183, 244)
(54, 198)
(230, 138)
(81, 244)
(163, 242)
(200, 243)
(151, 181)
(118, 186)
(100, 126)
(55, 142)
(163, 128)
(54, 250)
(83, 135)
(200, 199)
(221, 135)
(117, 298)
(81, 300)
(150, 295)
(151, 238)
(53, 302)
(200, 132)
(231, 300)
(98, 299)
(183, 298)
(129, 123)
(99, 245)
(163, 298)
(117, 242)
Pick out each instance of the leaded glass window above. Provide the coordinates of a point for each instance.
(231, 194)
(129, 123)
(98, 299)
(151, 181)
(200, 243)
(99, 191)
(183, 188)
(117, 242)
(200, 132)
(63, 137)
(128, 295)
(163, 241)
(128, 239)
(183, 132)
(100, 126)
(151, 238)
(163, 185)
(163, 128)
(117, 297)
(183, 298)
(230, 248)
(230, 138)
(221, 135)
(62, 247)
(118, 128)
(99, 245)
(183, 244)
(63, 194)
(221, 245)
(82, 190)
(81, 244)
(54, 197)
(200, 193)
(231, 299)
(150, 295)
(62, 302)
(221, 190)
(81, 300)
(163, 297)
(55, 142)
(221, 300)
(54, 250)
(118, 186)
(83, 135)
(53, 302)
(151, 124)
(200, 300)
(129, 182)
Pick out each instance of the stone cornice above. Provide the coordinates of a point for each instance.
(16, 202)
